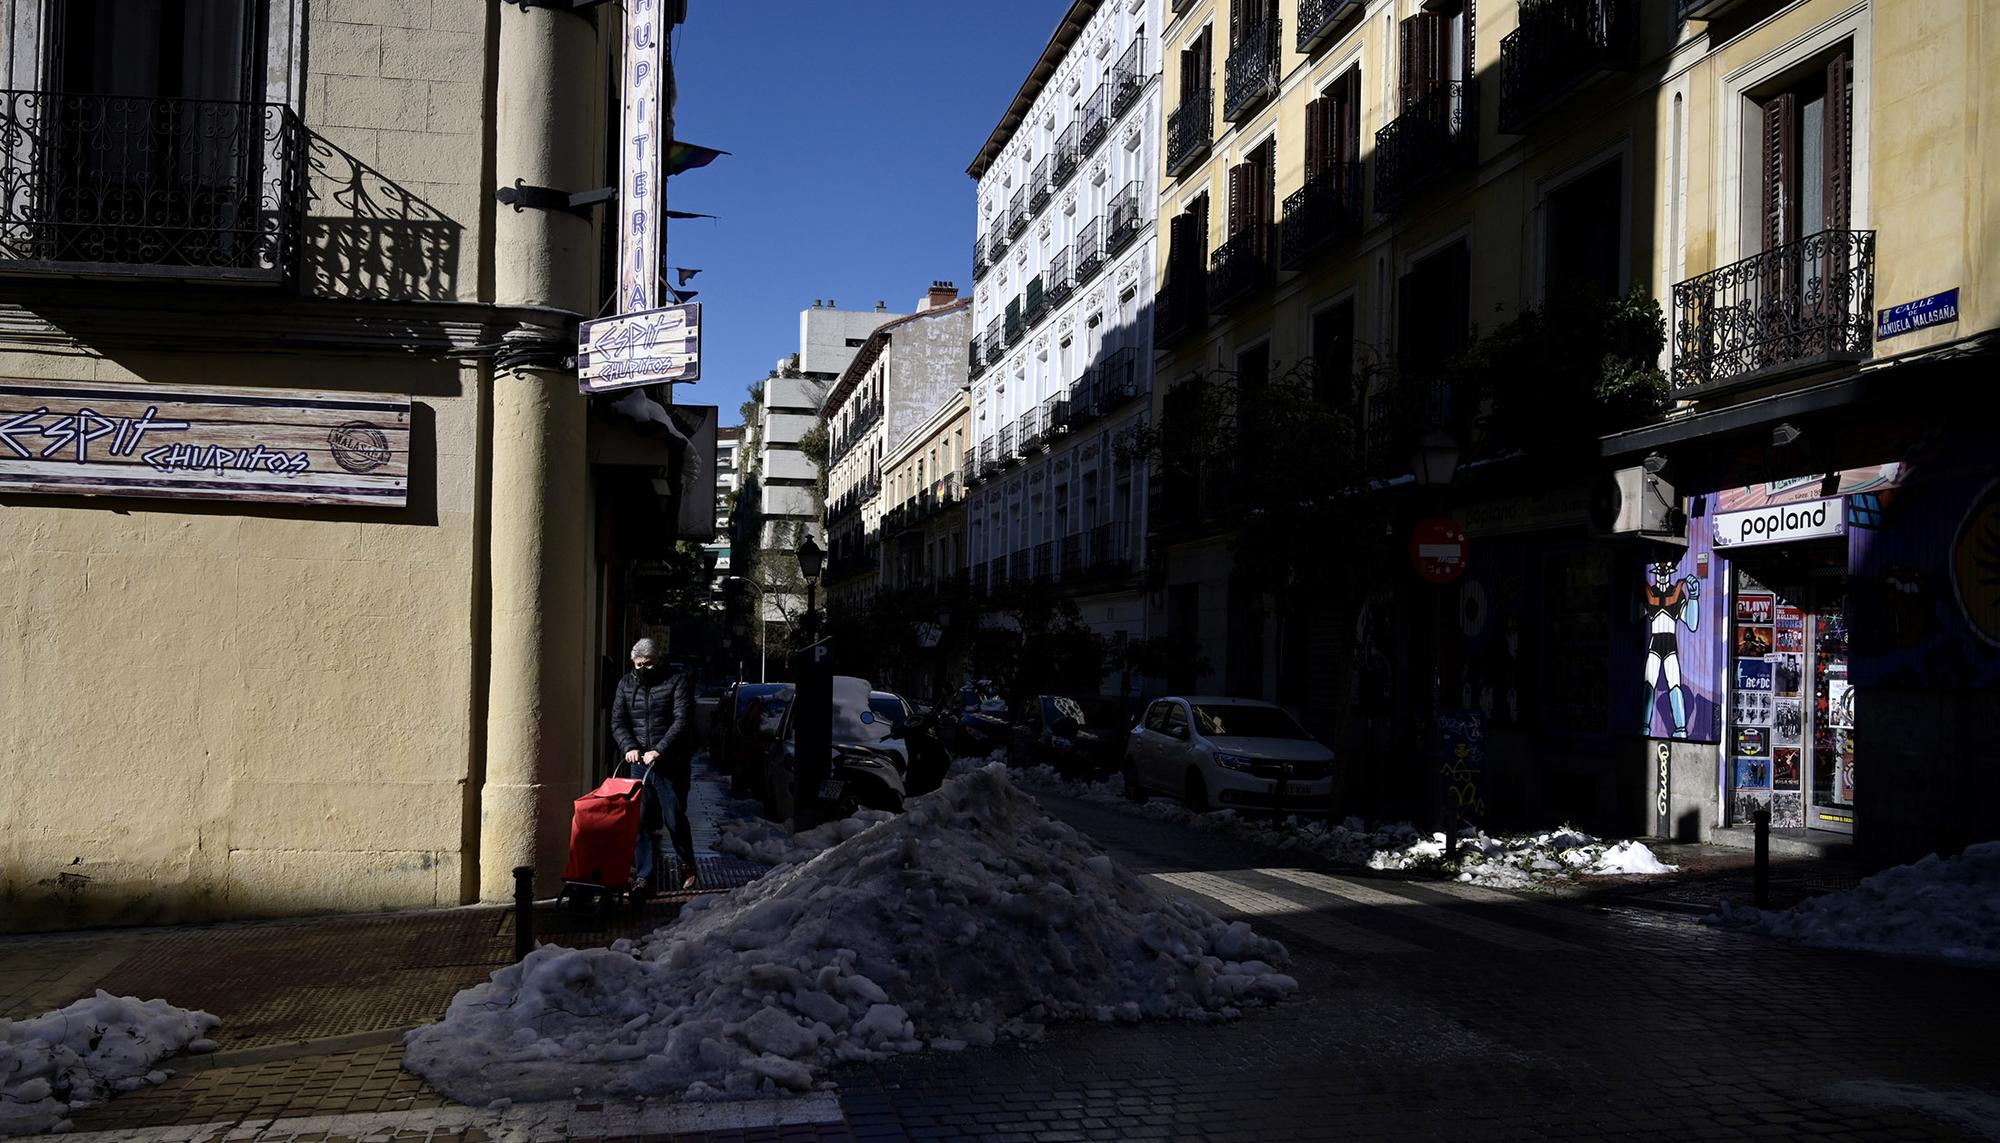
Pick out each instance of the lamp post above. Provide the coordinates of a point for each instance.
(811, 557)
(762, 624)
(1434, 461)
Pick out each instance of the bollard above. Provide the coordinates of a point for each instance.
(524, 911)
(1278, 795)
(1760, 870)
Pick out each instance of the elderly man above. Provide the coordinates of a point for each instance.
(652, 719)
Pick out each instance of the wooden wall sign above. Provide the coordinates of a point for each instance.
(284, 445)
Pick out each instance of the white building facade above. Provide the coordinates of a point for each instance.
(1061, 364)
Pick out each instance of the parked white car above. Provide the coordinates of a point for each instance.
(1211, 751)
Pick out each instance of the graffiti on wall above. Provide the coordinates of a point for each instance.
(1682, 626)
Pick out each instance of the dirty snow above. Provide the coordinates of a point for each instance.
(1940, 907)
(970, 918)
(62, 1062)
(1521, 861)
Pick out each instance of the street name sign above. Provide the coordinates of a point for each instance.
(647, 348)
(1934, 310)
(281, 445)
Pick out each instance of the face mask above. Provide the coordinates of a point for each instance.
(647, 673)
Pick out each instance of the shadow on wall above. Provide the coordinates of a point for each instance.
(367, 238)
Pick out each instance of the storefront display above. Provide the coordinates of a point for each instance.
(1786, 751)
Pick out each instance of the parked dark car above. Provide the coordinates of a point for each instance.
(1055, 730)
(982, 722)
(930, 758)
(743, 733)
(870, 763)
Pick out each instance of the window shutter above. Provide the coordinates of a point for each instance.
(1407, 86)
(1837, 177)
(1781, 151)
(1237, 198)
(1235, 22)
(1267, 194)
(1207, 47)
(1316, 157)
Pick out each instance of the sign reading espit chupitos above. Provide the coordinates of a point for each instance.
(98, 439)
(636, 349)
(642, 142)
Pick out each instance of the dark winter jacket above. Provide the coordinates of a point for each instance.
(656, 716)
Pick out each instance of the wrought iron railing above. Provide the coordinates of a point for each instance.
(1038, 186)
(1123, 219)
(1250, 75)
(1045, 560)
(1017, 326)
(1436, 133)
(1057, 412)
(1119, 379)
(1323, 211)
(149, 186)
(1804, 304)
(1017, 213)
(1089, 252)
(1127, 78)
(979, 263)
(995, 341)
(1017, 565)
(996, 243)
(1317, 20)
(1181, 306)
(975, 358)
(1009, 453)
(1073, 555)
(1111, 547)
(989, 457)
(1038, 301)
(1240, 267)
(1066, 157)
(1704, 9)
(996, 573)
(1083, 398)
(1559, 44)
(1096, 123)
(1034, 428)
(1189, 130)
(1060, 282)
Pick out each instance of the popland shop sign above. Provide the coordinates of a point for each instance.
(1781, 523)
(289, 446)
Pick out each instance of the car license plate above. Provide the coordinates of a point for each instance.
(830, 789)
(1294, 789)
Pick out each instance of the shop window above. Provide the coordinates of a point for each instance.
(1584, 233)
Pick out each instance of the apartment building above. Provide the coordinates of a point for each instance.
(1361, 194)
(1062, 364)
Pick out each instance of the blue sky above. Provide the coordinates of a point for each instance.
(850, 126)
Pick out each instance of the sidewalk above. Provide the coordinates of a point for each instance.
(314, 1010)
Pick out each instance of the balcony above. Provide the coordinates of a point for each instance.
(1038, 187)
(994, 341)
(1066, 157)
(1111, 548)
(1240, 267)
(1060, 283)
(975, 360)
(1118, 380)
(1017, 326)
(1250, 76)
(979, 263)
(1189, 131)
(1089, 253)
(1017, 567)
(1124, 219)
(121, 186)
(1436, 134)
(1096, 123)
(1073, 555)
(1034, 429)
(1127, 79)
(1181, 306)
(996, 573)
(1802, 306)
(1008, 453)
(1038, 301)
(1045, 561)
(1017, 213)
(989, 459)
(1326, 210)
(1561, 45)
(1082, 404)
(1055, 411)
(1318, 19)
(996, 244)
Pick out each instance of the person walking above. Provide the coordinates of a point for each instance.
(652, 719)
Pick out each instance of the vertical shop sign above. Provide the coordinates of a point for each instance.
(642, 140)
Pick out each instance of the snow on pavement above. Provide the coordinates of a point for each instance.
(1522, 861)
(973, 916)
(64, 1061)
(1940, 907)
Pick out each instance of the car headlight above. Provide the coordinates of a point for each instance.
(862, 756)
(1232, 761)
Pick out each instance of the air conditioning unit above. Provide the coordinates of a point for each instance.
(1635, 502)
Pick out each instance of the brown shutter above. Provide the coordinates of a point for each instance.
(1207, 46)
(1838, 160)
(1190, 60)
(1407, 79)
(1781, 155)
(1238, 197)
(1316, 157)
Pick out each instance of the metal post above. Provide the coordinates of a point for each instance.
(1278, 794)
(524, 911)
(1760, 869)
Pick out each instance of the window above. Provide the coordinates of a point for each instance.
(1805, 183)
(856, 342)
(1251, 191)
(1433, 315)
(1177, 720)
(1156, 717)
(1333, 131)
(1333, 354)
(1436, 50)
(1196, 60)
(1583, 234)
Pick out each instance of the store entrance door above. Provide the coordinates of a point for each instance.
(1791, 708)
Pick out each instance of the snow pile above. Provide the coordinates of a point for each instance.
(970, 917)
(1943, 907)
(1510, 862)
(767, 843)
(70, 1059)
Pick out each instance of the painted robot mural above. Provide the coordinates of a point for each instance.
(1682, 632)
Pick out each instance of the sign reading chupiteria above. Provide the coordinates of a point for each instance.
(631, 350)
(642, 142)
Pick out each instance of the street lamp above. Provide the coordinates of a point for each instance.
(1434, 461)
(811, 557)
(762, 623)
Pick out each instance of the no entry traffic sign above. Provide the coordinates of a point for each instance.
(1437, 550)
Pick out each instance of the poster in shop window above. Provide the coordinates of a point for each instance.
(1788, 810)
(1785, 767)
(1754, 676)
(1789, 633)
(1754, 607)
(1750, 708)
(1744, 804)
(1753, 774)
(1753, 742)
(1787, 675)
(1788, 722)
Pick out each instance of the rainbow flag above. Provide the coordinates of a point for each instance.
(687, 156)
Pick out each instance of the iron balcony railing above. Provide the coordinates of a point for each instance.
(1181, 306)
(995, 342)
(1066, 157)
(1318, 19)
(1038, 186)
(1073, 555)
(1096, 123)
(1008, 452)
(1800, 306)
(1017, 565)
(1559, 45)
(152, 187)
(1250, 75)
(1111, 547)
(1119, 379)
(1124, 219)
(1038, 301)
(1017, 326)
(1089, 252)
(1240, 267)
(996, 573)
(1436, 133)
(979, 263)
(996, 244)
(1128, 77)
(1060, 282)
(988, 457)
(1017, 213)
(1083, 398)
(1045, 561)
(975, 359)
(1056, 411)
(1189, 128)
(1034, 429)
(1324, 211)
